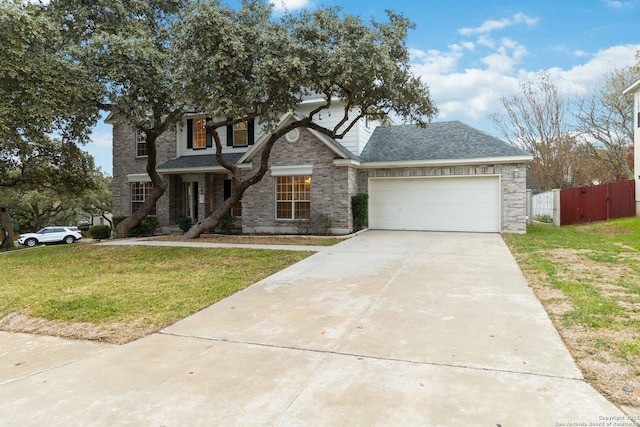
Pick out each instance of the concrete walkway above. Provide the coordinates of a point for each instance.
(387, 328)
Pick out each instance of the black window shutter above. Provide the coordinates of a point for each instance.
(209, 137)
(230, 135)
(227, 189)
(251, 132)
(190, 133)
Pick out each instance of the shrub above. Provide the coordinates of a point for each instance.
(359, 207)
(117, 219)
(145, 228)
(100, 232)
(226, 224)
(185, 223)
(317, 224)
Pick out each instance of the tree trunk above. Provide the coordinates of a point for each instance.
(159, 187)
(138, 216)
(6, 229)
(212, 220)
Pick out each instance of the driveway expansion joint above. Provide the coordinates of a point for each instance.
(369, 357)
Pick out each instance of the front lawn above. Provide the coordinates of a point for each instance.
(588, 279)
(117, 294)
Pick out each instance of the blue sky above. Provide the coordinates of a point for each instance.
(471, 53)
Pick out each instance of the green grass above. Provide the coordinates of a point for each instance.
(138, 285)
(599, 245)
(588, 278)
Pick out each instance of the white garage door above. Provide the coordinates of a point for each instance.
(435, 204)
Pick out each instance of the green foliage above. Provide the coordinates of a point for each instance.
(185, 223)
(226, 224)
(117, 219)
(146, 228)
(360, 210)
(100, 232)
(322, 52)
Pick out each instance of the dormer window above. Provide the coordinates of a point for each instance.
(241, 134)
(197, 136)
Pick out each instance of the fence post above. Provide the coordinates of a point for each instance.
(529, 207)
(556, 207)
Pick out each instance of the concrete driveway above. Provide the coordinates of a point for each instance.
(386, 328)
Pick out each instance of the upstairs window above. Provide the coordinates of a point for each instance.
(241, 134)
(141, 144)
(197, 136)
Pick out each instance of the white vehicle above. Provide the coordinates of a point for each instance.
(51, 235)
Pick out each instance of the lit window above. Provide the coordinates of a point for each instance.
(139, 193)
(293, 197)
(199, 133)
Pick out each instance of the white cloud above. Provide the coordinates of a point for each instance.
(615, 4)
(436, 62)
(473, 94)
(282, 5)
(492, 24)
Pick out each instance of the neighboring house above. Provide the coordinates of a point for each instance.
(446, 177)
(634, 90)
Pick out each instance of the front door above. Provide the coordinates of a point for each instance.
(191, 200)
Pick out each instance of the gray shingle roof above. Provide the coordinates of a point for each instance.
(438, 141)
(201, 161)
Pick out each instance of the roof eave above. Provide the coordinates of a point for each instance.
(633, 88)
(201, 169)
(446, 162)
(257, 146)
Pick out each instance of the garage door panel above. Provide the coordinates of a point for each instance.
(438, 204)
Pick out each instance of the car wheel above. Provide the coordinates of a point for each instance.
(31, 242)
(69, 239)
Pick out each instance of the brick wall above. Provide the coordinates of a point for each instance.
(126, 163)
(331, 188)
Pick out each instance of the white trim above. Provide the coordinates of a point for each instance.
(346, 162)
(632, 88)
(445, 162)
(295, 170)
(204, 169)
(138, 177)
(258, 144)
(293, 135)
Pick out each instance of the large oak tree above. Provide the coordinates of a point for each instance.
(46, 108)
(126, 45)
(240, 65)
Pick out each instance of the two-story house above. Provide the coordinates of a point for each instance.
(446, 177)
(634, 90)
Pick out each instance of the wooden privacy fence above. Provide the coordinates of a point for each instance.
(597, 202)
